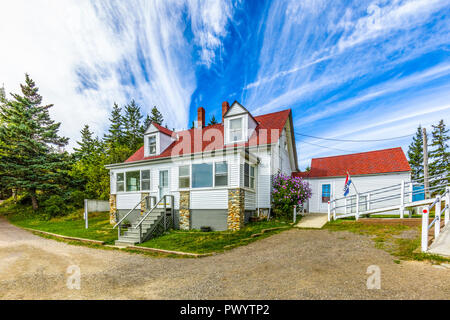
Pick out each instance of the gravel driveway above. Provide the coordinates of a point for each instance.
(295, 264)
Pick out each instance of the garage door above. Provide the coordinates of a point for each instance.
(216, 219)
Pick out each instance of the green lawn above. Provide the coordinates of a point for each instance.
(71, 225)
(206, 242)
(401, 241)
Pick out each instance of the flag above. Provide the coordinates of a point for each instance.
(348, 181)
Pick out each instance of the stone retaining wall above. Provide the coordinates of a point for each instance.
(236, 209)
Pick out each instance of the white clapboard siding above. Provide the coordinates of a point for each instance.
(209, 199)
(234, 173)
(127, 200)
(264, 191)
(250, 200)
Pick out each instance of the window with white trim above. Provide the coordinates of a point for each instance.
(235, 130)
(184, 176)
(249, 175)
(221, 174)
(120, 182)
(133, 180)
(145, 180)
(202, 175)
(152, 144)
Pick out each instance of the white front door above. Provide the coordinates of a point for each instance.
(163, 183)
(324, 193)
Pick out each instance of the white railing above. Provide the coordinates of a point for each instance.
(396, 197)
(438, 211)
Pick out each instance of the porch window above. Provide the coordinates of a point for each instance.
(326, 193)
(133, 180)
(152, 145)
(236, 129)
(120, 182)
(145, 180)
(221, 175)
(202, 175)
(184, 176)
(249, 176)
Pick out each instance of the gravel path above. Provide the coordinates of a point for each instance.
(295, 264)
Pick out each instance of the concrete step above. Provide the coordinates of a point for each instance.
(124, 243)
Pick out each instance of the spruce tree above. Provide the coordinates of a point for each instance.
(132, 125)
(439, 154)
(146, 124)
(212, 120)
(115, 133)
(32, 159)
(86, 145)
(415, 154)
(156, 116)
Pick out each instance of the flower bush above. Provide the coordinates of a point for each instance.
(289, 191)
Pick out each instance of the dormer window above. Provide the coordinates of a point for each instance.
(152, 145)
(236, 129)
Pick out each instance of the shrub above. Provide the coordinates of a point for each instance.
(54, 206)
(289, 191)
(76, 198)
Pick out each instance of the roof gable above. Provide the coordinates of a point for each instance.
(155, 127)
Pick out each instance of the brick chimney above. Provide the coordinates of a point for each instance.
(225, 107)
(200, 117)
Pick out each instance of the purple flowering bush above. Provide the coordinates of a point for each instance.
(289, 191)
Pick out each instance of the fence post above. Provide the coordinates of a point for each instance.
(334, 209)
(329, 211)
(425, 229)
(295, 213)
(86, 223)
(447, 202)
(357, 206)
(402, 200)
(437, 214)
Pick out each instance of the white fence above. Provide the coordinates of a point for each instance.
(438, 211)
(94, 206)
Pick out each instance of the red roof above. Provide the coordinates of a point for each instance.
(188, 141)
(372, 162)
(162, 129)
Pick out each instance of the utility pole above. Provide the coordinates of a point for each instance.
(425, 164)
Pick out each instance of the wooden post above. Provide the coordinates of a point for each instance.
(295, 213)
(357, 206)
(402, 200)
(437, 214)
(447, 203)
(425, 229)
(425, 163)
(329, 211)
(86, 223)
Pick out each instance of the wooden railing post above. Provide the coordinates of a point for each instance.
(437, 214)
(402, 200)
(447, 202)
(329, 211)
(165, 211)
(357, 206)
(425, 229)
(334, 209)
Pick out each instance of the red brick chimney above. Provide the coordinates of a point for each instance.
(225, 107)
(200, 117)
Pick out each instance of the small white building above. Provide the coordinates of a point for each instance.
(219, 175)
(368, 170)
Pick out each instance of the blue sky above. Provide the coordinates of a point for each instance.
(348, 69)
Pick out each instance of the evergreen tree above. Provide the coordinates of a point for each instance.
(212, 120)
(132, 125)
(415, 154)
(439, 154)
(146, 124)
(115, 133)
(156, 116)
(86, 145)
(29, 144)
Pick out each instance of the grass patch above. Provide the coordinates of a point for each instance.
(71, 225)
(195, 241)
(401, 241)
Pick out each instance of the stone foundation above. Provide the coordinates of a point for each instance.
(144, 203)
(185, 213)
(236, 209)
(112, 208)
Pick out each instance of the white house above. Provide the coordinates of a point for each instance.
(368, 171)
(219, 174)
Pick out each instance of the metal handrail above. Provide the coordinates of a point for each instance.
(150, 211)
(123, 218)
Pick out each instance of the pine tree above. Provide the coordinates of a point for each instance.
(86, 145)
(212, 120)
(115, 133)
(415, 154)
(146, 124)
(156, 116)
(29, 144)
(132, 125)
(439, 154)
